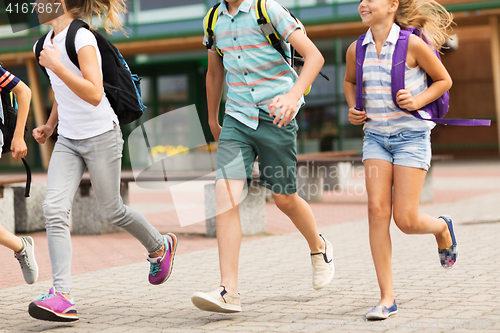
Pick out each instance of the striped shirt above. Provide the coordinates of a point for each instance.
(385, 117)
(256, 72)
(7, 80)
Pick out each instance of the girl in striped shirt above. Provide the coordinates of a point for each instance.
(396, 146)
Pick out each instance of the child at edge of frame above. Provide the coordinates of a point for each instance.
(23, 246)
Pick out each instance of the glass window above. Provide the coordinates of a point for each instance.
(146, 89)
(157, 4)
(173, 88)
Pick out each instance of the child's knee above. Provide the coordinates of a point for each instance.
(286, 202)
(406, 223)
(54, 213)
(114, 216)
(228, 193)
(379, 211)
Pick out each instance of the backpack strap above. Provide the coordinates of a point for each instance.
(38, 50)
(28, 178)
(70, 40)
(267, 27)
(210, 20)
(360, 59)
(399, 63)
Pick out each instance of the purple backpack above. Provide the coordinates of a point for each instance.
(436, 109)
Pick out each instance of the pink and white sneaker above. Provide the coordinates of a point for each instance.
(53, 307)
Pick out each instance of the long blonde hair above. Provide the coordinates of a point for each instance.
(110, 8)
(428, 16)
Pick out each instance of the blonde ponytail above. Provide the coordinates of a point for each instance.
(111, 9)
(428, 16)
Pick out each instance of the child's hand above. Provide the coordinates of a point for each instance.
(357, 117)
(215, 129)
(41, 133)
(18, 148)
(287, 105)
(50, 57)
(406, 101)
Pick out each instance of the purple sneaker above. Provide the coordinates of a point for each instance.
(161, 267)
(53, 307)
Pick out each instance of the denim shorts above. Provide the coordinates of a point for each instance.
(410, 149)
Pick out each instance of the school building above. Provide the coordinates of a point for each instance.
(164, 46)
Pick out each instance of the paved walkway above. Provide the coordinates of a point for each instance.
(275, 276)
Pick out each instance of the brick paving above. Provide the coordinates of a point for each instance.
(275, 273)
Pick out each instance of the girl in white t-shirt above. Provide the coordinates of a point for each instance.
(89, 137)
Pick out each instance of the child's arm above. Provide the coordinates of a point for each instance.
(42, 133)
(10, 240)
(89, 88)
(420, 54)
(214, 83)
(356, 117)
(313, 62)
(18, 145)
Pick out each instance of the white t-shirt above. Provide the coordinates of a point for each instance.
(78, 119)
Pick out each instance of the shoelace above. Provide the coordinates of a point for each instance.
(43, 297)
(21, 257)
(155, 268)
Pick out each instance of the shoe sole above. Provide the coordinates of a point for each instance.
(380, 316)
(32, 255)
(207, 303)
(172, 254)
(49, 315)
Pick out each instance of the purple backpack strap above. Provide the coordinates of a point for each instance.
(399, 63)
(360, 59)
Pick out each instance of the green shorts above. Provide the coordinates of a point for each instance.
(276, 148)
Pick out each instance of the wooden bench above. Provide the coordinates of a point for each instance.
(311, 188)
(86, 218)
(319, 170)
(7, 201)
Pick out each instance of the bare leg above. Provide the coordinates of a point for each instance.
(302, 217)
(379, 177)
(408, 184)
(227, 195)
(10, 240)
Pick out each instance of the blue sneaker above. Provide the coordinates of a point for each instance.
(381, 312)
(448, 256)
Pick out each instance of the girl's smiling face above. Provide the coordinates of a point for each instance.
(377, 11)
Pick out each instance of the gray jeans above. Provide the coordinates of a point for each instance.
(102, 156)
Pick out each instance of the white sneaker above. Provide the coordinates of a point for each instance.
(323, 268)
(27, 260)
(218, 300)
